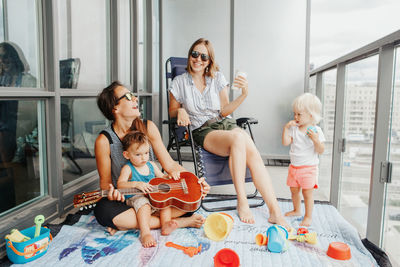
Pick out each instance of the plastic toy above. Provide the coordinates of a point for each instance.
(218, 226)
(26, 251)
(191, 251)
(277, 238)
(303, 236)
(339, 251)
(39, 220)
(302, 231)
(313, 128)
(261, 240)
(17, 236)
(226, 258)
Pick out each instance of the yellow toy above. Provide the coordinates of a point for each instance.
(303, 237)
(16, 236)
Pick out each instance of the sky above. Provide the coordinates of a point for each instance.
(339, 27)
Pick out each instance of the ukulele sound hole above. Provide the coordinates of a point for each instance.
(164, 188)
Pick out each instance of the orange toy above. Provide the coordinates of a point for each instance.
(226, 257)
(261, 240)
(191, 251)
(339, 251)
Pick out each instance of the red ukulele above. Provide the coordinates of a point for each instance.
(184, 194)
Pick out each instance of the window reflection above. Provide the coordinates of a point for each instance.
(81, 122)
(21, 27)
(82, 41)
(21, 149)
(14, 68)
(327, 125)
(145, 107)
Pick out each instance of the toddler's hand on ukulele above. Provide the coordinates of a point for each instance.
(144, 187)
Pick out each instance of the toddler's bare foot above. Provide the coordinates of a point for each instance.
(306, 221)
(148, 241)
(168, 227)
(280, 220)
(293, 213)
(245, 214)
(196, 220)
(111, 231)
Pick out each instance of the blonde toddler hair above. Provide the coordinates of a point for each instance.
(309, 103)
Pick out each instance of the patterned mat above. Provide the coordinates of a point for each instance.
(86, 243)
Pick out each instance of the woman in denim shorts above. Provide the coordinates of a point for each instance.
(200, 98)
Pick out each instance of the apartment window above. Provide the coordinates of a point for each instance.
(83, 44)
(81, 122)
(19, 49)
(23, 172)
(22, 152)
(125, 59)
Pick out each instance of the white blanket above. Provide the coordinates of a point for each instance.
(87, 243)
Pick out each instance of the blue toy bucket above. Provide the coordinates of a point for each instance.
(23, 252)
(277, 238)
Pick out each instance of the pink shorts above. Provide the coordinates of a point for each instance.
(305, 177)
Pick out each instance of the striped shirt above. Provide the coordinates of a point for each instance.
(200, 106)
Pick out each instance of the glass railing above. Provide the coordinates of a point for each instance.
(361, 111)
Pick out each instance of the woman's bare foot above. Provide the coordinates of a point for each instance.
(196, 220)
(306, 221)
(168, 227)
(111, 231)
(245, 214)
(280, 220)
(293, 213)
(147, 241)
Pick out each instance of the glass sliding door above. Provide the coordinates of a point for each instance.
(359, 120)
(327, 125)
(391, 233)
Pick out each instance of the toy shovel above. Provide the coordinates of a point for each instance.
(38, 221)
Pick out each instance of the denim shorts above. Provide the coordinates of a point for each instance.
(200, 133)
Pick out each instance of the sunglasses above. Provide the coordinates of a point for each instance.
(196, 54)
(128, 96)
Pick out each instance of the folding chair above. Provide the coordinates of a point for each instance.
(214, 168)
(179, 136)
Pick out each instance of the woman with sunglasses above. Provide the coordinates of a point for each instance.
(199, 97)
(120, 106)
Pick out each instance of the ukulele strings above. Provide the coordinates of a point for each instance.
(169, 187)
(172, 187)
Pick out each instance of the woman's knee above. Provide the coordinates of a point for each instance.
(237, 138)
